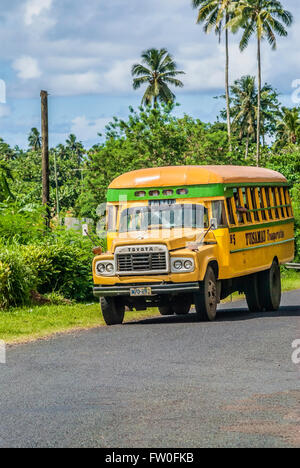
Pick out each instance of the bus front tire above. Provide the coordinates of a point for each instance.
(207, 299)
(113, 310)
(181, 305)
(270, 288)
(166, 310)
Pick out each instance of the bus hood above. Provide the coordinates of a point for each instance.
(173, 238)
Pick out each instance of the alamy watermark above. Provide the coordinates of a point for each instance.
(296, 352)
(2, 92)
(2, 352)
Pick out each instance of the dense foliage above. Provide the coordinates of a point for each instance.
(60, 263)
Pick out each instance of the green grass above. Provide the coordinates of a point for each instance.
(290, 279)
(26, 324)
(31, 323)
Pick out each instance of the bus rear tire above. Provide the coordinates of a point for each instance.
(113, 310)
(206, 299)
(252, 294)
(270, 288)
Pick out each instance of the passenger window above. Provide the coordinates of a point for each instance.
(218, 212)
(230, 211)
(253, 204)
(288, 202)
(282, 202)
(279, 202)
(275, 204)
(261, 203)
(246, 204)
(237, 205)
(268, 202)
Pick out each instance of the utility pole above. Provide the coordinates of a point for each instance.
(45, 156)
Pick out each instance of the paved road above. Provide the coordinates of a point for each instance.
(164, 382)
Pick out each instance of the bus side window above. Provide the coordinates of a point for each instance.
(230, 211)
(282, 202)
(273, 196)
(270, 212)
(245, 203)
(278, 202)
(261, 203)
(218, 212)
(237, 203)
(252, 203)
(288, 202)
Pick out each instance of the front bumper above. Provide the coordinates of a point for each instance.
(157, 289)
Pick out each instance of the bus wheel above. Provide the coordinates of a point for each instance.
(166, 309)
(206, 300)
(252, 294)
(270, 287)
(181, 305)
(113, 310)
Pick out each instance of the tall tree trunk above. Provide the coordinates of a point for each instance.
(227, 84)
(259, 99)
(45, 157)
(247, 147)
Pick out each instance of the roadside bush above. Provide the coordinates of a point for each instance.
(60, 265)
(55, 298)
(16, 278)
(68, 271)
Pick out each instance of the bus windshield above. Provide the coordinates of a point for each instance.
(173, 216)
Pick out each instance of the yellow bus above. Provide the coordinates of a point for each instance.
(192, 235)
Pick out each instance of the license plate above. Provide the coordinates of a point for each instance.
(140, 292)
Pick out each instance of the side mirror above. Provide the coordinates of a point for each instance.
(213, 224)
(97, 250)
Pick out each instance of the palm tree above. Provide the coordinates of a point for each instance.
(213, 13)
(75, 147)
(265, 18)
(244, 109)
(34, 139)
(244, 98)
(288, 127)
(158, 70)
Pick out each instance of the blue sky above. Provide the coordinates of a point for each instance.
(82, 53)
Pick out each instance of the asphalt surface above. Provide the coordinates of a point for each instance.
(163, 382)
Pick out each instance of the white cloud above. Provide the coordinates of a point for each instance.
(86, 129)
(75, 83)
(35, 8)
(205, 71)
(118, 78)
(27, 67)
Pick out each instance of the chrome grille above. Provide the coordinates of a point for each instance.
(155, 261)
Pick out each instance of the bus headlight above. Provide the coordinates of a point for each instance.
(105, 268)
(182, 265)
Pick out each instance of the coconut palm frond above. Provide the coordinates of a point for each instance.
(157, 69)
